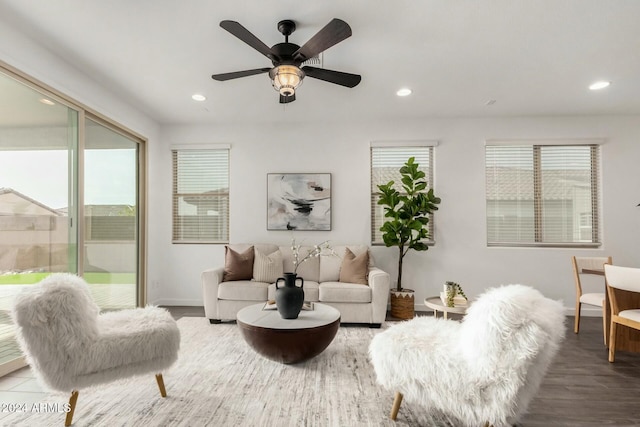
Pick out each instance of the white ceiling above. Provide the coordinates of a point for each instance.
(531, 57)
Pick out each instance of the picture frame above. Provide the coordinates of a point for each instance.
(299, 201)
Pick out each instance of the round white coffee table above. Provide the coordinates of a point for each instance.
(288, 340)
(436, 304)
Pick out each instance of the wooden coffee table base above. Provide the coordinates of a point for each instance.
(288, 340)
(289, 345)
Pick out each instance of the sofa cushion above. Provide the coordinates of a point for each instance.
(330, 263)
(310, 289)
(308, 270)
(243, 290)
(354, 269)
(267, 268)
(238, 265)
(344, 292)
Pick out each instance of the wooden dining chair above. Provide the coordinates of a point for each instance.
(593, 298)
(625, 311)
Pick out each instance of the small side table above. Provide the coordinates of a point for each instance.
(435, 303)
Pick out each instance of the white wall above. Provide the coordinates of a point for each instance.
(20, 51)
(460, 253)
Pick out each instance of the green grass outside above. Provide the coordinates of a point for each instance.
(91, 278)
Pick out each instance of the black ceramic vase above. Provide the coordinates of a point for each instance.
(289, 298)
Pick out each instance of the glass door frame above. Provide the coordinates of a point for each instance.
(77, 193)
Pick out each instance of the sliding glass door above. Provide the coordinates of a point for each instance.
(110, 215)
(68, 180)
(38, 197)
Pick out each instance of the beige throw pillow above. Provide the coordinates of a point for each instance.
(237, 266)
(354, 269)
(267, 268)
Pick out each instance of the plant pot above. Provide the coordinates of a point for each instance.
(403, 304)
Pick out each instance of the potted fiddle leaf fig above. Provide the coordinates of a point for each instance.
(406, 226)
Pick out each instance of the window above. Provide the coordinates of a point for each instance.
(200, 195)
(542, 195)
(58, 172)
(386, 161)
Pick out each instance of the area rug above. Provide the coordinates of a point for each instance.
(220, 381)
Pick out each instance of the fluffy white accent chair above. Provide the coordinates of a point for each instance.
(70, 345)
(483, 370)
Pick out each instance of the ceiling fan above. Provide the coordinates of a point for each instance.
(287, 74)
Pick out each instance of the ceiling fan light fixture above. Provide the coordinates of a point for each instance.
(289, 59)
(286, 79)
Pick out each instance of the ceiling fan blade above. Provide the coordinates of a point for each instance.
(287, 99)
(237, 74)
(334, 32)
(337, 77)
(246, 36)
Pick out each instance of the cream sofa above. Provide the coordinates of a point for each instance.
(357, 303)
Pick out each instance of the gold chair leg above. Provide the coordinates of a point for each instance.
(576, 324)
(612, 341)
(72, 407)
(604, 323)
(396, 405)
(163, 391)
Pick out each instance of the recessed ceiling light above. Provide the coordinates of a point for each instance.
(47, 101)
(599, 85)
(198, 97)
(404, 92)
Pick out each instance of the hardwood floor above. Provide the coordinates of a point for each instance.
(583, 389)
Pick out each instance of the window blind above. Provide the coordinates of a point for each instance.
(542, 195)
(200, 195)
(385, 166)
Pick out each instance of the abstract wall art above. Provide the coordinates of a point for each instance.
(299, 201)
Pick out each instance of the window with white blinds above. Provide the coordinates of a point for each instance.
(385, 166)
(542, 195)
(200, 195)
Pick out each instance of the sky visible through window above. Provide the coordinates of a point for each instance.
(43, 176)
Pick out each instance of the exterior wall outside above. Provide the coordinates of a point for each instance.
(33, 243)
(512, 212)
(114, 257)
(40, 243)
